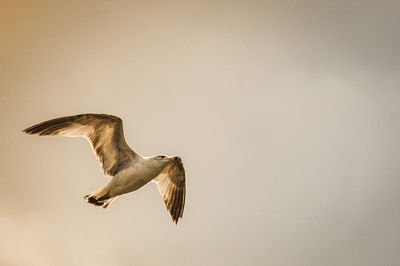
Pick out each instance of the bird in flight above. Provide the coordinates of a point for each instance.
(128, 170)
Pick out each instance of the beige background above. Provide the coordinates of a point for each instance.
(286, 114)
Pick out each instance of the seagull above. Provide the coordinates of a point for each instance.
(128, 170)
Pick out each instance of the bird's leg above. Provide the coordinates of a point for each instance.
(99, 197)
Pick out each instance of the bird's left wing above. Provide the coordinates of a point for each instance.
(171, 184)
(104, 133)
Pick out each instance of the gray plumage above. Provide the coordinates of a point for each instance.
(129, 171)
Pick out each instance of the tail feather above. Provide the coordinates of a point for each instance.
(107, 202)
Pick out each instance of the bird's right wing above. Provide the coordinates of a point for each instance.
(171, 184)
(104, 133)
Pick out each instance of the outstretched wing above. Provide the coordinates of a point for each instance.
(104, 133)
(171, 184)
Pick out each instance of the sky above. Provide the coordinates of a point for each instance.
(285, 114)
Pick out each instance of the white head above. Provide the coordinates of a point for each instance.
(159, 161)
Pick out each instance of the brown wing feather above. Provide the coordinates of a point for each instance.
(104, 133)
(171, 184)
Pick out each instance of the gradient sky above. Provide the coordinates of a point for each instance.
(286, 115)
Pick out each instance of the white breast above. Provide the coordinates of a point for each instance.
(131, 179)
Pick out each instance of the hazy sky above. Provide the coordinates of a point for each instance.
(286, 115)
